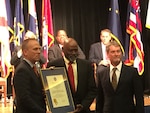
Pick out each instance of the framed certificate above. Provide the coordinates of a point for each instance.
(57, 89)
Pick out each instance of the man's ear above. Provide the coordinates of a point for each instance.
(24, 52)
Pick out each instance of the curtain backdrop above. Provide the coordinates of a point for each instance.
(83, 20)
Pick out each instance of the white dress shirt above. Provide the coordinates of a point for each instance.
(118, 71)
(74, 66)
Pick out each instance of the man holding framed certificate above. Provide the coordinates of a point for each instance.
(30, 96)
(80, 75)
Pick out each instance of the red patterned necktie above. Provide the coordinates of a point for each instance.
(71, 76)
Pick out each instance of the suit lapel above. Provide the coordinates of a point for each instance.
(108, 79)
(122, 75)
(78, 72)
(30, 69)
(59, 53)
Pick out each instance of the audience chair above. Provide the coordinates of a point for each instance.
(3, 90)
(93, 105)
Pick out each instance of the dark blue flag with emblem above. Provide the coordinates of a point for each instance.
(19, 27)
(114, 22)
(10, 25)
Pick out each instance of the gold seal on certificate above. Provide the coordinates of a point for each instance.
(57, 89)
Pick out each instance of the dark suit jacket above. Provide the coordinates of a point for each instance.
(55, 52)
(15, 60)
(29, 90)
(121, 100)
(86, 87)
(95, 53)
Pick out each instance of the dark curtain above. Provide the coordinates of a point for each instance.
(83, 20)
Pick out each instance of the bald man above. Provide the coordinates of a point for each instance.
(84, 90)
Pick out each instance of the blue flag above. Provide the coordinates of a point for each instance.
(19, 28)
(10, 24)
(114, 22)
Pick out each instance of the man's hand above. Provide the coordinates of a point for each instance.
(79, 108)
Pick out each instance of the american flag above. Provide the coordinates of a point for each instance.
(19, 26)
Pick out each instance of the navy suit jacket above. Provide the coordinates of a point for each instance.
(121, 100)
(86, 87)
(29, 90)
(95, 53)
(55, 52)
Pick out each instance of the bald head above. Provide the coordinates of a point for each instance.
(70, 49)
(70, 42)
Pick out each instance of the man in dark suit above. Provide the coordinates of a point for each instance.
(55, 51)
(97, 53)
(120, 88)
(17, 54)
(84, 90)
(28, 87)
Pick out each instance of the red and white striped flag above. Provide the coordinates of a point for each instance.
(134, 29)
(47, 27)
(4, 38)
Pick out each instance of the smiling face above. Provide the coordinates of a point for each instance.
(114, 53)
(61, 36)
(105, 36)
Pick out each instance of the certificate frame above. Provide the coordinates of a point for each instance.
(57, 89)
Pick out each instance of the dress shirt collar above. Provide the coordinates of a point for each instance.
(61, 46)
(28, 62)
(118, 66)
(103, 44)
